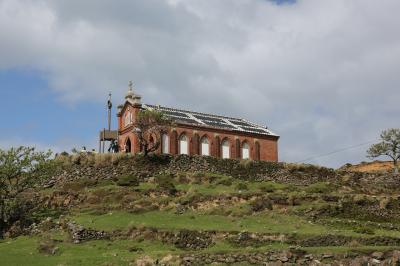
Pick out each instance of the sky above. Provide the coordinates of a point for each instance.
(324, 75)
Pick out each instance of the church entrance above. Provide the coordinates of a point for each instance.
(128, 146)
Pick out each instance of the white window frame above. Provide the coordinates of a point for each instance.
(226, 149)
(183, 145)
(245, 151)
(165, 143)
(205, 147)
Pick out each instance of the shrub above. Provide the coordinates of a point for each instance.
(242, 186)
(225, 182)
(291, 188)
(64, 159)
(42, 213)
(135, 249)
(101, 159)
(261, 204)
(182, 178)
(127, 180)
(268, 188)
(364, 230)
(246, 163)
(198, 177)
(120, 156)
(320, 187)
(79, 184)
(165, 183)
(47, 247)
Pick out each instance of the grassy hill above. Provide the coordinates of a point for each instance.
(123, 210)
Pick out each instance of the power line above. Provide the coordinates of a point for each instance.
(336, 151)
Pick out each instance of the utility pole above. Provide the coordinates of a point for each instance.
(106, 134)
(109, 106)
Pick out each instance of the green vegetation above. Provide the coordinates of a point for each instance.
(145, 210)
(127, 180)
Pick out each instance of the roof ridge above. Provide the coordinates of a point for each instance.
(195, 112)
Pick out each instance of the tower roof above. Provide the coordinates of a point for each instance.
(130, 94)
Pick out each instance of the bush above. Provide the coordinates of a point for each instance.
(198, 177)
(42, 213)
(261, 204)
(241, 186)
(268, 188)
(364, 230)
(165, 183)
(321, 187)
(225, 182)
(182, 178)
(79, 184)
(47, 247)
(127, 180)
(246, 163)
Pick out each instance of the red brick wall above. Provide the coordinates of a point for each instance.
(268, 145)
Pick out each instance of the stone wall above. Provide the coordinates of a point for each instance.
(87, 166)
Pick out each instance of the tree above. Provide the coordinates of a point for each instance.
(20, 168)
(389, 146)
(148, 127)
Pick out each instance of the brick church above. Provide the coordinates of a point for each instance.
(197, 133)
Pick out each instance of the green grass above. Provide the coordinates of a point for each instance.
(219, 189)
(23, 251)
(144, 186)
(265, 223)
(345, 249)
(108, 208)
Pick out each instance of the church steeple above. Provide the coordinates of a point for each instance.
(131, 95)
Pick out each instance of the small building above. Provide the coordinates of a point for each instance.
(196, 133)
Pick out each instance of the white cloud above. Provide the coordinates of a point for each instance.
(323, 74)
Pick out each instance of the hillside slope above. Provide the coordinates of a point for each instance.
(122, 210)
(367, 167)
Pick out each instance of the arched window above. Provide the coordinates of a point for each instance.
(183, 145)
(164, 143)
(205, 147)
(245, 151)
(225, 149)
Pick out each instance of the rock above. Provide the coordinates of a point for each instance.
(284, 259)
(375, 262)
(309, 257)
(377, 255)
(14, 231)
(170, 260)
(135, 249)
(80, 234)
(180, 209)
(327, 256)
(192, 240)
(188, 259)
(396, 256)
(145, 261)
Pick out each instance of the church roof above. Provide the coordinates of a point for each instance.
(211, 120)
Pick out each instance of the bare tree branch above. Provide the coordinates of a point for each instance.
(389, 146)
(149, 125)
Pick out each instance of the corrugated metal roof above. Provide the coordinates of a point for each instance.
(211, 120)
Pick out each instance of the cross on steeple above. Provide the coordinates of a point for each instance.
(130, 85)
